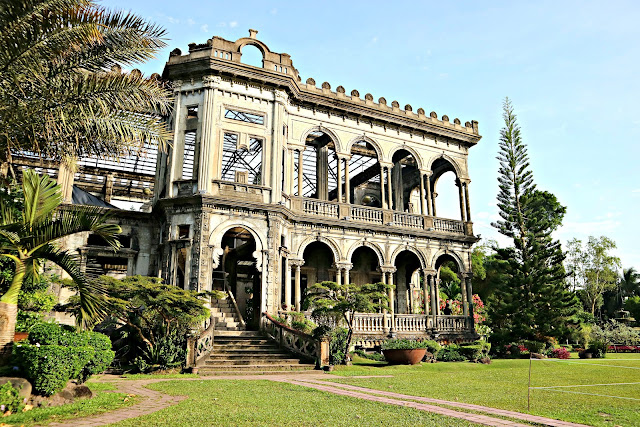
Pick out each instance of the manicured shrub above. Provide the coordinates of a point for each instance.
(450, 353)
(560, 353)
(432, 347)
(55, 354)
(10, 399)
(598, 349)
(379, 357)
(476, 351)
(337, 345)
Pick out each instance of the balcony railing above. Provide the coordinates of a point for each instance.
(365, 214)
(408, 220)
(448, 225)
(321, 208)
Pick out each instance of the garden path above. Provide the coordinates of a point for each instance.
(152, 401)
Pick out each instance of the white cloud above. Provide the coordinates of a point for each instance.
(274, 11)
(233, 24)
(173, 20)
(205, 28)
(637, 190)
(374, 39)
(190, 21)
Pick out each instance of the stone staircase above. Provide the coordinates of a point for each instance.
(249, 352)
(237, 351)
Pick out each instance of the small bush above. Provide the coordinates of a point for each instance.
(10, 399)
(379, 357)
(560, 353)
(432, 347)
(403, 344)
(337, 345)
(476, 351)
(534, 346)
(598, 349)
(450, 353)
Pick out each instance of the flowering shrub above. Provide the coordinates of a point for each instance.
(560, 353)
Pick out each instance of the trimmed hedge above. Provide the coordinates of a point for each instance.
(450, 353)
(403, 344)
(475, 351)
(55, 354)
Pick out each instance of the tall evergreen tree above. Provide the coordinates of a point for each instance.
(533, 301)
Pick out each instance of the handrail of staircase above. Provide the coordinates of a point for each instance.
(233, 300)
(198, 347)
(296, 341)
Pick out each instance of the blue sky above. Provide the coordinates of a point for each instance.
(571, 68)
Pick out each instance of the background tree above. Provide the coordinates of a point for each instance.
(595, 271)
(449, 280)
(629, 283)
(28, 238)
(342, 302)
(533, 301)
(61, 90)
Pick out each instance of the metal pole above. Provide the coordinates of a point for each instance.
(529, 388)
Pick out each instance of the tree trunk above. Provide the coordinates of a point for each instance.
(8, 315)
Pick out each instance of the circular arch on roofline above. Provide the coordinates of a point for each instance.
(215, 240)
(378, 251)
(335, 250)
(416, 252)
(442, 252)
(410, 150)
(244, 41)
(371, 141)
(325, 130)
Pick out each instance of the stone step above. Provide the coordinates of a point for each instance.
(204, 370)
(237, 334)
(222, 340)
(249, 356)
(245, 352)
(253, 361)
(243, 348)
(228, 329)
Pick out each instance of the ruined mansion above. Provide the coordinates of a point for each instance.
(273, 184)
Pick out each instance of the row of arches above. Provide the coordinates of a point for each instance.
(416, 280)
(365, 177)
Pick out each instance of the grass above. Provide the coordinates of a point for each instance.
(503, 384)
(103, 401)
(265, 403)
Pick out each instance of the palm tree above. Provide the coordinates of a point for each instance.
(28, 236)
(629, 284)
(62, 92)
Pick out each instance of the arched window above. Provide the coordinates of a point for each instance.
(251, 55)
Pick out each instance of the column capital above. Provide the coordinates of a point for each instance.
(387, 269)
(343, 265)
(426, 173)
(296, 262)
(343, 156)
(386, 164)
(429, 271)
(211, 81)
(465, 181)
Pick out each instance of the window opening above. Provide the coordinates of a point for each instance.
(241, 159)
(189, 154)
(242, 116)
(183, 231)
(192, 112)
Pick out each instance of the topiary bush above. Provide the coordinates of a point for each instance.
(450, 353)
(432, 347)
(54, 354)
(476, 351)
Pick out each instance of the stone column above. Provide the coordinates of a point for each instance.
(423, 209)
(297, 287)
(322, 172)
(466, 198)
(391, 305)
(437, 283)
(339, 189)
(300, 170)
(347, 184)
(463, 293)
(390, 297)
(432, 289)
(382, 188)
(389, 191)
(287, 284)
(338, 275)
(425, 291)
(461, 198)
(208, 140)
(66, 177)
(433, 202)
(429, 200)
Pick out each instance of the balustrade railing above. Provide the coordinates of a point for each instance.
(198, 347)
(320, 207)
(364, 214)
(302, 344)
(452, 323)
(411, 322)
(448, 225)
(367, 323)
(407, 220)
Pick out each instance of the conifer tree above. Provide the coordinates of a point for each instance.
(533, 302)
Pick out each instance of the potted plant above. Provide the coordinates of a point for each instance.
(404, 351)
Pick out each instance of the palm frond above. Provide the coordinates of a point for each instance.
(41, 197)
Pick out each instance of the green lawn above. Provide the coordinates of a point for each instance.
(503, 384)
(265, 403)
(103, 401)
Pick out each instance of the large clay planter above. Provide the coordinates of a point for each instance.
(20, 336)
(404, 357)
